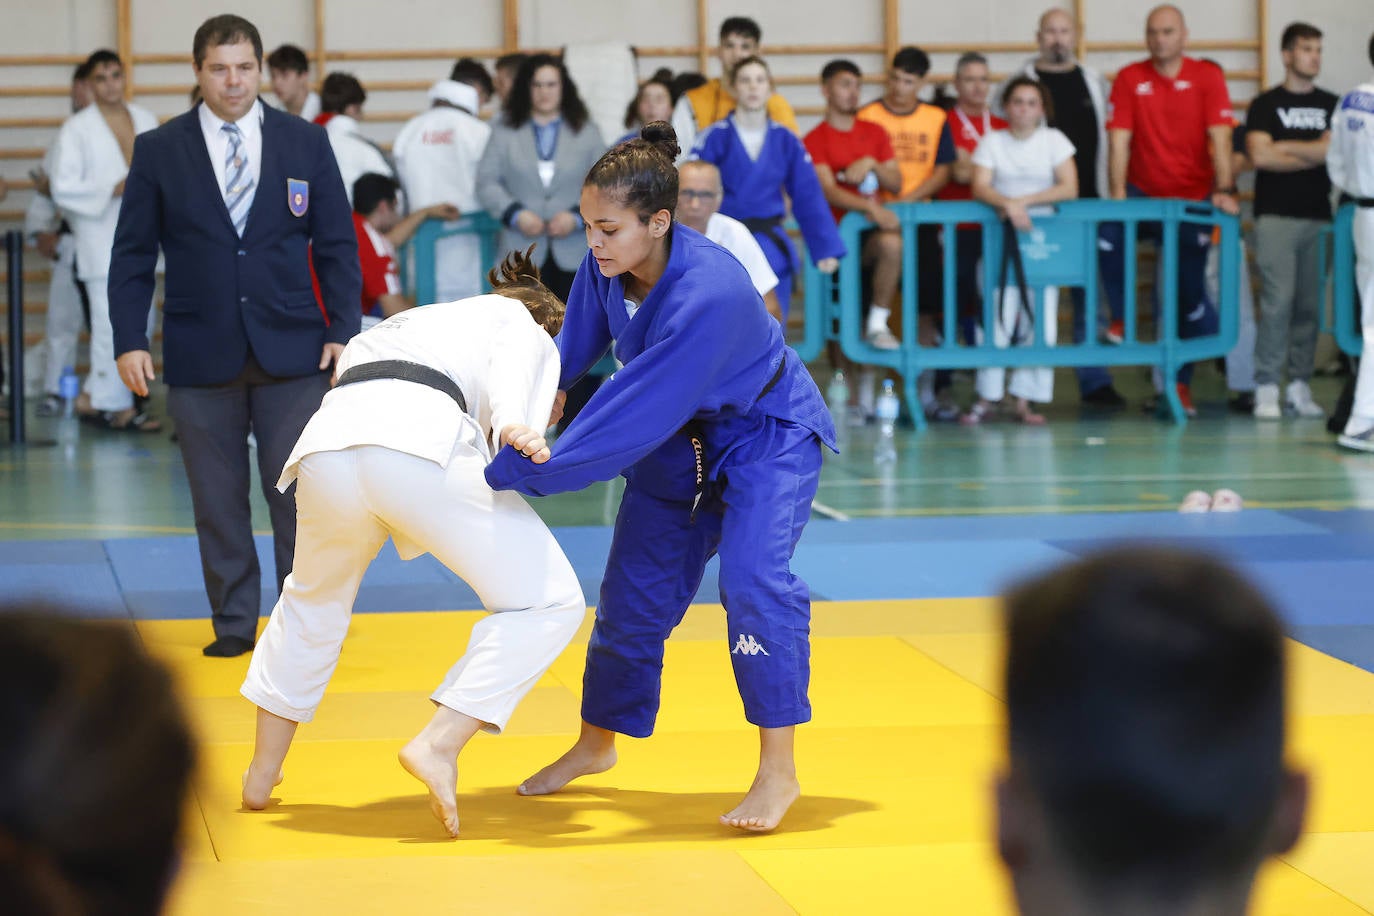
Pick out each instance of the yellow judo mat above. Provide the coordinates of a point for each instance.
(896, 771)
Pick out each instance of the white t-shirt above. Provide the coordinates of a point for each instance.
(1021, 167)
(731, 235)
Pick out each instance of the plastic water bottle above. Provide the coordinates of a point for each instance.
(869, 185)
(837, 398)
(886, 410)
(68, 387)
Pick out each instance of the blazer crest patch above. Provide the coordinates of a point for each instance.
(297, 196)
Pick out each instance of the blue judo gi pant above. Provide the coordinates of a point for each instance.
(752, 515)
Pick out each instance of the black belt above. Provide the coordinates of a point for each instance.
(773, 382)
(1362, 201)
(406, 372)
(768, 226)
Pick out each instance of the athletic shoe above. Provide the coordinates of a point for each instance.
(1104, 398)
(1267, 402)
(1196, 501)
(1227, 501)
(882, 339)
(1360, 442)
(1115, 333)
(1300, 401)
(1243, 402)
(50, 406)
(1185, 395)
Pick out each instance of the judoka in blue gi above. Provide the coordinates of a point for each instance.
(709, 392)
(759, 159)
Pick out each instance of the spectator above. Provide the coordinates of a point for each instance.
(1145, 738)
(1169, 135)
(697, 109)
(1078, 97)
(530, 175)
(503, 76)
(759, 159)
(470, 72)
(341, 99)
(1350, 162)
(1287, 132)
(94, 148)
(854, 161)
(970, 119)
(245, 345)
(95, 768)
(290, 70)
(381, 230)
(530, 180)
(52, 236)
(437, 153)
(925, 151)
(1018, 170)
(654, 102)
(698, 202)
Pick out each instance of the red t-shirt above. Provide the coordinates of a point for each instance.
(1168, 121)
(966, 132)
(378, 263)
(838, 148)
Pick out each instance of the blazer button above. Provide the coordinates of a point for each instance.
(242, 252)
(243, 298)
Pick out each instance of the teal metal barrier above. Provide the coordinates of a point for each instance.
(1060, 250)
(421, 250)
(1345, 321)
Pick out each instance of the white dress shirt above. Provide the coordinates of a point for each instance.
(217, 141)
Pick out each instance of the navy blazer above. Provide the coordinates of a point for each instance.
(228, 297)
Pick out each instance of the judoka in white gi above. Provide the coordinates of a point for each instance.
(87, 184)
(1350, 161)
(436, 155)
(44, 226)
(399, 458)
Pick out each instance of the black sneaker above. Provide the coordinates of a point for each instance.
(50, 406)
(1243, 402)
(1104, 398)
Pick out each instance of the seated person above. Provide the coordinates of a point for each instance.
(94, 767)
(381, 231)
(1145, 705)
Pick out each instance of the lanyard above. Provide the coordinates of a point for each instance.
(546, 139)
(968, 125)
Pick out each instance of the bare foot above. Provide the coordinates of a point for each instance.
(585, 759)
(439, 772)
(768, 800)
(257, 788)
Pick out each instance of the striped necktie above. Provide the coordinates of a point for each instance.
(238, 181)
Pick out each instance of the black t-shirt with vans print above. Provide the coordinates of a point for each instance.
(1286, 115)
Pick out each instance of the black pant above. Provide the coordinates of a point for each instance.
(213, 424)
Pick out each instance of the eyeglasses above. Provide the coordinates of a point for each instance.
(698, 195)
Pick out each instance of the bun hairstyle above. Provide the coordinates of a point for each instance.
(641, 172)
(518, 278)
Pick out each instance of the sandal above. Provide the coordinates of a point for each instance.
(139, 421)
(976, 414)
(1030, 417)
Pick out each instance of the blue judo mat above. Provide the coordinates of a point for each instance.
(1317, 566)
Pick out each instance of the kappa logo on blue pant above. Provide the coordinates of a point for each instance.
(748, 645)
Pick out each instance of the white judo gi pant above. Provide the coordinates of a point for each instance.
(103, 384)
(61, 325)
(347, 503)
(1034, 383)
(1362, 413)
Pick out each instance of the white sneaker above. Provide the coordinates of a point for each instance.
(1299, 397)
(1267, 403)
(1196, 501)
(1227, 501)
(882, 339)
(1360, 442)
